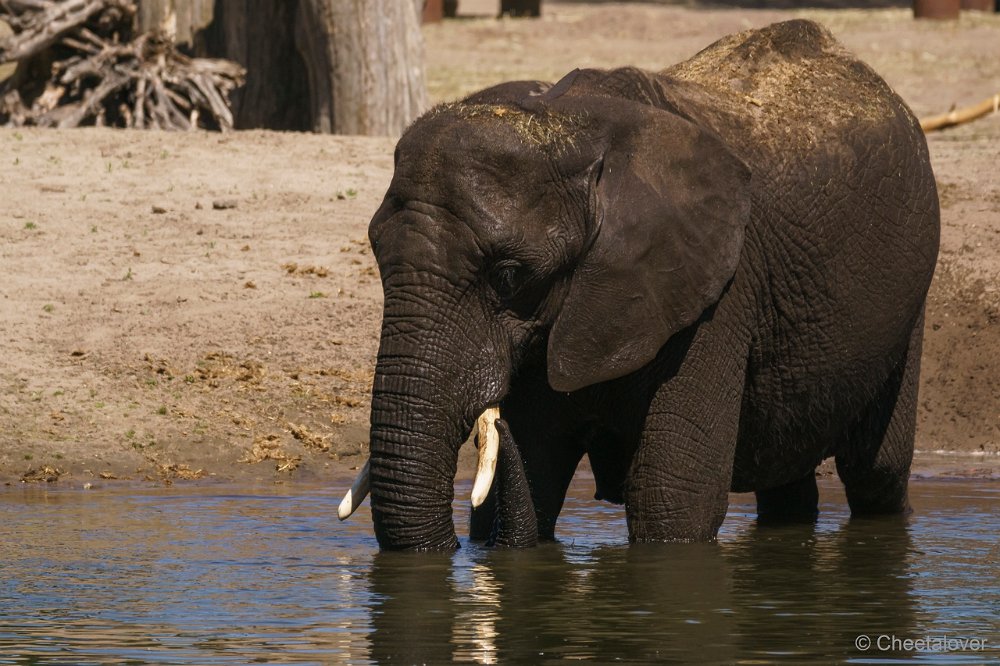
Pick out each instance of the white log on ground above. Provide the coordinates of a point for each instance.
(960, 116)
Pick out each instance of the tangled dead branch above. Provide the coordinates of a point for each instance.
(80, 63)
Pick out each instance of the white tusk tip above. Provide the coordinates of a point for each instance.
(489, 449)
(356, 495)
(346, 507)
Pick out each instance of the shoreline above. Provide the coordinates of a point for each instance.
(928, 466)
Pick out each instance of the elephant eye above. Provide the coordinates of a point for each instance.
(506, 279)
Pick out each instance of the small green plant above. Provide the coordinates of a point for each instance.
(48, 307)
(164, 154)
(99, 405)
(129, 434)
(30, 225)
(128, 275)
(28, 456)
(93, 228)
(58, 393)
(152, 383)
(189, 379)
(109, 167)
(317, 294)
(17, 160)
(351, 192)
(59, 456)
(18, 136)
(162, 411)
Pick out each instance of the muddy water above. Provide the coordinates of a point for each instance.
(207, 576)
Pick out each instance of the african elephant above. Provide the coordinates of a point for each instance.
(706, 279)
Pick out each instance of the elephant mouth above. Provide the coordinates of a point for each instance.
(489, 449)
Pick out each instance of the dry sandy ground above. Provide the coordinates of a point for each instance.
(199, 305)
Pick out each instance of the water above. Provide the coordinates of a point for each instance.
(198, 576)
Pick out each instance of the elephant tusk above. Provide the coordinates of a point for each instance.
(356, 495)
(489, 449)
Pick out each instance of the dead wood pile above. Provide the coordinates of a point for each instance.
(81, 62)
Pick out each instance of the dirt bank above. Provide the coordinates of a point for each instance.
(199, 306)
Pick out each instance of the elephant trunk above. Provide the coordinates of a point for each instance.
(414, 454)
(437, 371)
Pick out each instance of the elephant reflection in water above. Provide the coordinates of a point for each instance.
(515, 606)
(798, 588)
(788, 589)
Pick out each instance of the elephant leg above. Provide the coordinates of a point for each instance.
(797, 501)
(548, 433)
(549, 466)
(875, 464)
(678, 486)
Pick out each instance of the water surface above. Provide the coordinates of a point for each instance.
(216, 576)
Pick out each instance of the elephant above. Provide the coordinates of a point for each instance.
(706, 279)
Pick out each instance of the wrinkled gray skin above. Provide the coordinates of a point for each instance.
(705, 279)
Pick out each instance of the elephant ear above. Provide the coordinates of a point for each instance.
(671, 203)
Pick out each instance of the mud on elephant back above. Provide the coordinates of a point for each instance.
(702, 278)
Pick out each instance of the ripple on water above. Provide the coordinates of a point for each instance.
(195, 576)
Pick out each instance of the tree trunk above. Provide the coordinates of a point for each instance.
(341, 66)
(366, 57)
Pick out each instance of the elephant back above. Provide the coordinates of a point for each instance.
(791, 87)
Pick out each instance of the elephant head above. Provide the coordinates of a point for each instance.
(565, 227)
